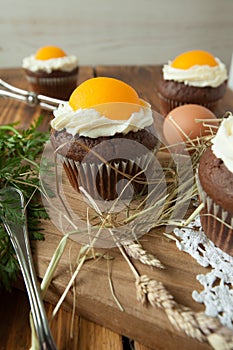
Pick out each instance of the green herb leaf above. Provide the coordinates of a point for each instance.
(19, 167)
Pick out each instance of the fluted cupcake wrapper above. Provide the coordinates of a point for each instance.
(106, 182)
(216, 222)
(59, 86)
(166, 104)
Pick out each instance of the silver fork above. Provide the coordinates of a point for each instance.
(14, 222)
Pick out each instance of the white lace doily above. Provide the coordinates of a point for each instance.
(217, 294)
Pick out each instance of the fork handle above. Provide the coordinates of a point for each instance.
(23, 253)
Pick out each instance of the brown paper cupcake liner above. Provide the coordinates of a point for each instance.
(58, 86)
(166, 104)
(106, 182)
(215, 222)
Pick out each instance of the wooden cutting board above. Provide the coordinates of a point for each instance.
(93, 298)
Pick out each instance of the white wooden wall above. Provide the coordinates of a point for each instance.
(116, 31)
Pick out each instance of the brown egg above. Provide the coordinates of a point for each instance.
(181, 123)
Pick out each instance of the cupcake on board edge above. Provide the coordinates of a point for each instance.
(195, 77)
(51, 72)
(104, 135)
(215, 186)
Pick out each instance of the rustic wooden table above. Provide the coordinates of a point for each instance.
(98, 322)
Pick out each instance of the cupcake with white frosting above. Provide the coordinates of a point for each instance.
(104, 136)
(51, 72)
(195, 77)
(215, 184)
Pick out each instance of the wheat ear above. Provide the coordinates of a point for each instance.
(194, 324)
(137, 252)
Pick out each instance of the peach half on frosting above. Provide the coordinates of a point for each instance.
(48, 52)
(111, 97)
(189, 59)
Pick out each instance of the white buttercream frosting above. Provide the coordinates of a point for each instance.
(89, 122)
(222, 143)
(65, 63)
(198, 75)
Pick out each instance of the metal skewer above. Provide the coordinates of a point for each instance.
(30, 97)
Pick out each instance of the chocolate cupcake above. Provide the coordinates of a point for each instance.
(195, 77)
(51, 72)
(105, 137)
(215, 185)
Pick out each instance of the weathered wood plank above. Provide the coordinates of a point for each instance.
(70, 333)
(138, 346)
(93, 336)
(94, 299)
(14, 321)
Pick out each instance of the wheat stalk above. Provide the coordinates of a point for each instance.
(195, 325)
(137, 252)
